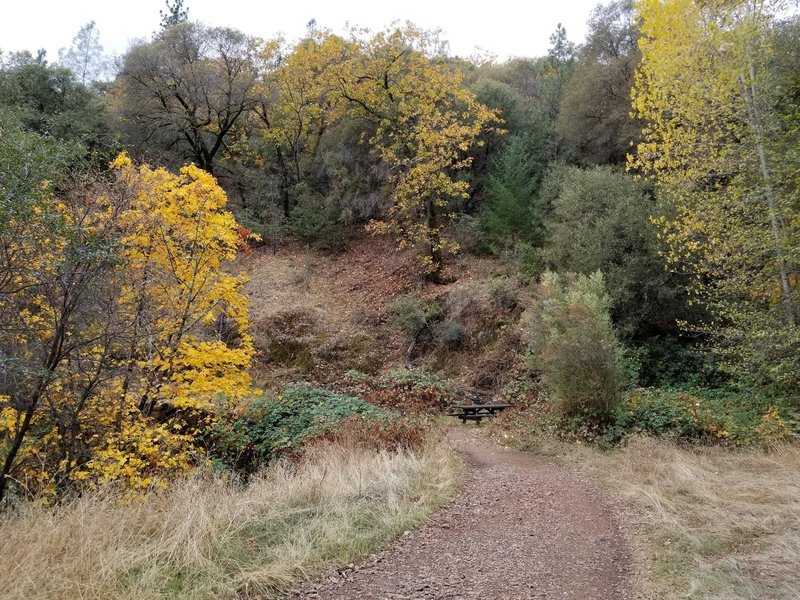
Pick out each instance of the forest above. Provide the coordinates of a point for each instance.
(218, 252)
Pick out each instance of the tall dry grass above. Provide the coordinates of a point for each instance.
(710, 522)
(211, 538)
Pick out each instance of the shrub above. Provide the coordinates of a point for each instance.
(409, 314)
(392, 433)
(288, 338)
(452, 334)
(402, 389)
(315, 220)
(708, 416)
(470, 236)
(415, 378)
(575, 348)
(273, 426)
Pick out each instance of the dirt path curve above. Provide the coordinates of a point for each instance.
(520, 527)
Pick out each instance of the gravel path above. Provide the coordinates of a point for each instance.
(520, 527)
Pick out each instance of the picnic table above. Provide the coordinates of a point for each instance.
(476, 412)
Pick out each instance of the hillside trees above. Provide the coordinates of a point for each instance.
(594, 117)
(119, 327)
(48, 100)
(187, 90)
(207, 92)
(426, 123)
(706, 90)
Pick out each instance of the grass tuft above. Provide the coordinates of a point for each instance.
(209, 537)
(711, 522)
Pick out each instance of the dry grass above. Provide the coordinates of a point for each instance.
(210, 538)
(709, 523)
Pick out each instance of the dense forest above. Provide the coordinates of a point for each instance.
(640, 192)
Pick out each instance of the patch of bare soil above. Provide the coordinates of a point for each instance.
(520, 527)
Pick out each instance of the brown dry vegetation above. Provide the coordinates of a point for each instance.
(213, 538)
(707, 522)
(316, 315)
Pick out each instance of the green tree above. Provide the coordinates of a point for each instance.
(49, 101)
(594, 116)
(601, 221)
(512, 211)
(174, 15)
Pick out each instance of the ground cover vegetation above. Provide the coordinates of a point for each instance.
(224, 253)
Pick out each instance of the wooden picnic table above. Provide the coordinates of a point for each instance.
(476, 412)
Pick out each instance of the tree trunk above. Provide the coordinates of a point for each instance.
(19, 437)
(435, 244)
(754, 116)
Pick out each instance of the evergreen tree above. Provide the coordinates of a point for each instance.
(512, 212)
(175, 14)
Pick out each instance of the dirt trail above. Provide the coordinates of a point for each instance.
(520, 527)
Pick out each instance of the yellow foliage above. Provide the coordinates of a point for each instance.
(126, 366)
(701, 90)
(426, 121)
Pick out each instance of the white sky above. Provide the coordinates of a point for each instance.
(502, 27)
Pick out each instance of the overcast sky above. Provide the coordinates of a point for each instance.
(500, 27)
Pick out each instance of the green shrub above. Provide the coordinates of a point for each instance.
(315, 220)
(272, 426)
(667, 413)
(406, 390)
(414, 378)
(470, 236)
(575, 348)
(409, 314)
(701, 415)
(525, 259)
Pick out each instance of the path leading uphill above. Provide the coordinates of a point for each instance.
(520, 527)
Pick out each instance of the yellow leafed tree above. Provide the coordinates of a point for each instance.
(703, 90)
(427, 122)
(299, 102)
(423, 123)
(128, 331)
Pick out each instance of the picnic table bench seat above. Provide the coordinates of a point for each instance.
(476, 412)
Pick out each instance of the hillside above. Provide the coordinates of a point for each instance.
(316, 315)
